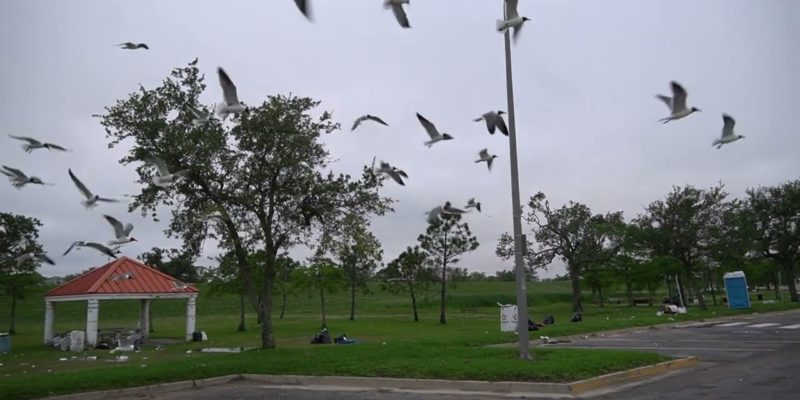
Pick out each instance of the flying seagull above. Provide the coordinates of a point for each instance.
(449, 210)
(304, 7)
(34, 144)
(164, 178)
(97, 246)
(91, 198)
(31, 255)
(201, 116)
(232, 104)
(19, 179)
(399, 12)
(513, 20)
(132, 46)
(494, 119)
(434, 214)
(124, 276)
(486, 157)
(367, 117)
(122, 233)
(676, 103)
(473, 204)
(392, 172)
(727, 132)
(430, 128)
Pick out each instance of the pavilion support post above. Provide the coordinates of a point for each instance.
(190, 317)
(144, 317)
(92, 314)
(49, 314)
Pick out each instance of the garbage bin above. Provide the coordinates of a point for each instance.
(5, 343)
(760, 297)
(508, 317)
(76, 341)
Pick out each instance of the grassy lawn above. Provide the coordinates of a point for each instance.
(390, 343)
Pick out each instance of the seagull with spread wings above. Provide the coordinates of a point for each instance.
(33, 144)
(676, 103)
(399, 12)
(727, 132)
(367, 117)
(231, 105)
(434, 134)
(91, 198)
(122, 233)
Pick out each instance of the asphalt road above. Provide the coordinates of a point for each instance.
(742, 358)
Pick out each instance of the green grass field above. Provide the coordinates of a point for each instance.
(390, 343)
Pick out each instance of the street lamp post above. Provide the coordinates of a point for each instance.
(519, 244)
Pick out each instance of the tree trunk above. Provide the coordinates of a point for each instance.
(353, 301)
(283, 304)
(574, 276)
(629, 292)
(711, 285)
(265, 309)
(241, 327)
(788, 268)
(442, 316)
(12, 329)
(682, 291)
(600, 294)
(413, 302)
(322, 309)
(776, 287)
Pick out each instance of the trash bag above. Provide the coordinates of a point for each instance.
(197, 336)
(343, 340)
(577, 317)
(322, 338)
(532, 326)
(549, 320)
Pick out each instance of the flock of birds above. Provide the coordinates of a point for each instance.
(232, 106)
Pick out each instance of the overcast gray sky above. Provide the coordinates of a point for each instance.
(585, 72)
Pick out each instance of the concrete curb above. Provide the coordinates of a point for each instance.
(413, 384)
(517, 389)
(149, 390)
(603, 381)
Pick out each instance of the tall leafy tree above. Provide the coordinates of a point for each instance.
(359, 253)
(322, 276)
(173, 262)
(18, 235)
(772, 218)
(572, 233)
(410, 273)
(443, 243)
(260, 175)
(685, 227)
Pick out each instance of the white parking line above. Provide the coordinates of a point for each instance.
(795, 326)
(764, 325)
(733, 324)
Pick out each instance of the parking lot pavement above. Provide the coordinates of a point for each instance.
(720, 341)
(740, 359)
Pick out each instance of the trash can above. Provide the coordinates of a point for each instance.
(5, 343)
(760, 297)
(76, 340)
(509, 317)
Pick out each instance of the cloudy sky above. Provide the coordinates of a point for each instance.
(585, 78)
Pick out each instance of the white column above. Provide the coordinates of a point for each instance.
(144, 321)
(190, 317)
(92, 313)
(49, 313)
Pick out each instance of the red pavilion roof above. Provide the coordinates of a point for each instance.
(122, 276)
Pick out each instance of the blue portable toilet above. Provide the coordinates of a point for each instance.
(736, 289)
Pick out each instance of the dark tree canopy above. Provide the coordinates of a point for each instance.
(264, 178)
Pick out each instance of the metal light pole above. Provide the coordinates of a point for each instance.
(519, 244)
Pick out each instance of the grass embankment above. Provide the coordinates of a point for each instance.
(391, 344)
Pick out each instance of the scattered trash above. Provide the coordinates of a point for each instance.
(585, 336)
(343, 340)
(143, 366)
(63, 359)
(767, 301)
(121, 358)
(659, 313)
(548, 340)
(91, 358)
(222, 350)
(188, 352)
(577, 317)
(322, 338)
(144, 358)
(549, 319)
